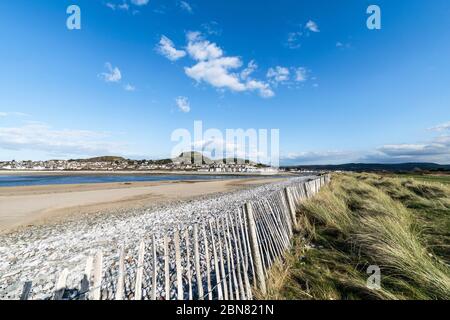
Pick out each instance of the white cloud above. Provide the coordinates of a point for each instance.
(139, 2)
(294, 37)
(278, 74)
(110, 5)
(129, 88)
(293, 40)
(441, 127)
(301, 74)
(264, 89)
(212, 28)
(113, 74)
(183, 104)
(186, 6)
(217, 73)
(251, 67)
(13, 114)
(65, 142)
(312, 26)
(167, 48)
(200, 49)
(220, 71)
(124, 6)
(318, 157)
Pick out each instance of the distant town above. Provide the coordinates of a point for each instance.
(192, 162)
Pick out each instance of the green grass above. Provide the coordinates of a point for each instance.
(401, 225)
(443, 178)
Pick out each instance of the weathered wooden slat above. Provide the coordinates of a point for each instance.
(98, 276)
(180, 293)
(248, 290)
(247, 241)
(261, 282)
(242, 236)
(26, 290)
(221, 260)
(216, 263)
(280, 228)
(155, 268)
(265, 235)
(262, 249)
(267, 216)
(60, 287)
(139, 272)
(228, 260)
(208, 264)
(121, 276)
(188, 263)
(259, 236)
(198, 272)
(238, 261)
(166, 268)
(291, 206)
(233, 264)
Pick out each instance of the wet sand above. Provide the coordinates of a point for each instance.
(30, 205)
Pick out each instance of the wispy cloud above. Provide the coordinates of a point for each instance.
(185, 6)
(312, 26)
(301, 74)
(140, 2)
(183, 104)
(318, 157)
(294, 38)
(251, 67)
(112, 74)
(66, 142)
(123, 6)
(13, 114)
(166, 47)
(435, 150)
(212, 28)
(278, 74)
(441, 127)
(129, 87)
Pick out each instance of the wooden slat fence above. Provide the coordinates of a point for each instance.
(220, 259)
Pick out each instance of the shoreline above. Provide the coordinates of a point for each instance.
(25, 206)
(146, 172)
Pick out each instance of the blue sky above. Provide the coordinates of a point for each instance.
(138, 70)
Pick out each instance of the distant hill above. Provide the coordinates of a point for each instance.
(376, 167)
(101, 159)
(189, 157)
(183, 158)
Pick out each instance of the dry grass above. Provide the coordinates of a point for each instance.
(401, 225)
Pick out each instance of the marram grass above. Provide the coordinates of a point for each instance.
(401, 225)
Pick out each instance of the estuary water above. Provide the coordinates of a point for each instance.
(37, 180)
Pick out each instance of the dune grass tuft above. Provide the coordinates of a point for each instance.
(400, 225)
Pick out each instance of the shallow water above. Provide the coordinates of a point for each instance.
(38, 180)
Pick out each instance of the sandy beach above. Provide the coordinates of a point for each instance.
(32, 205)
